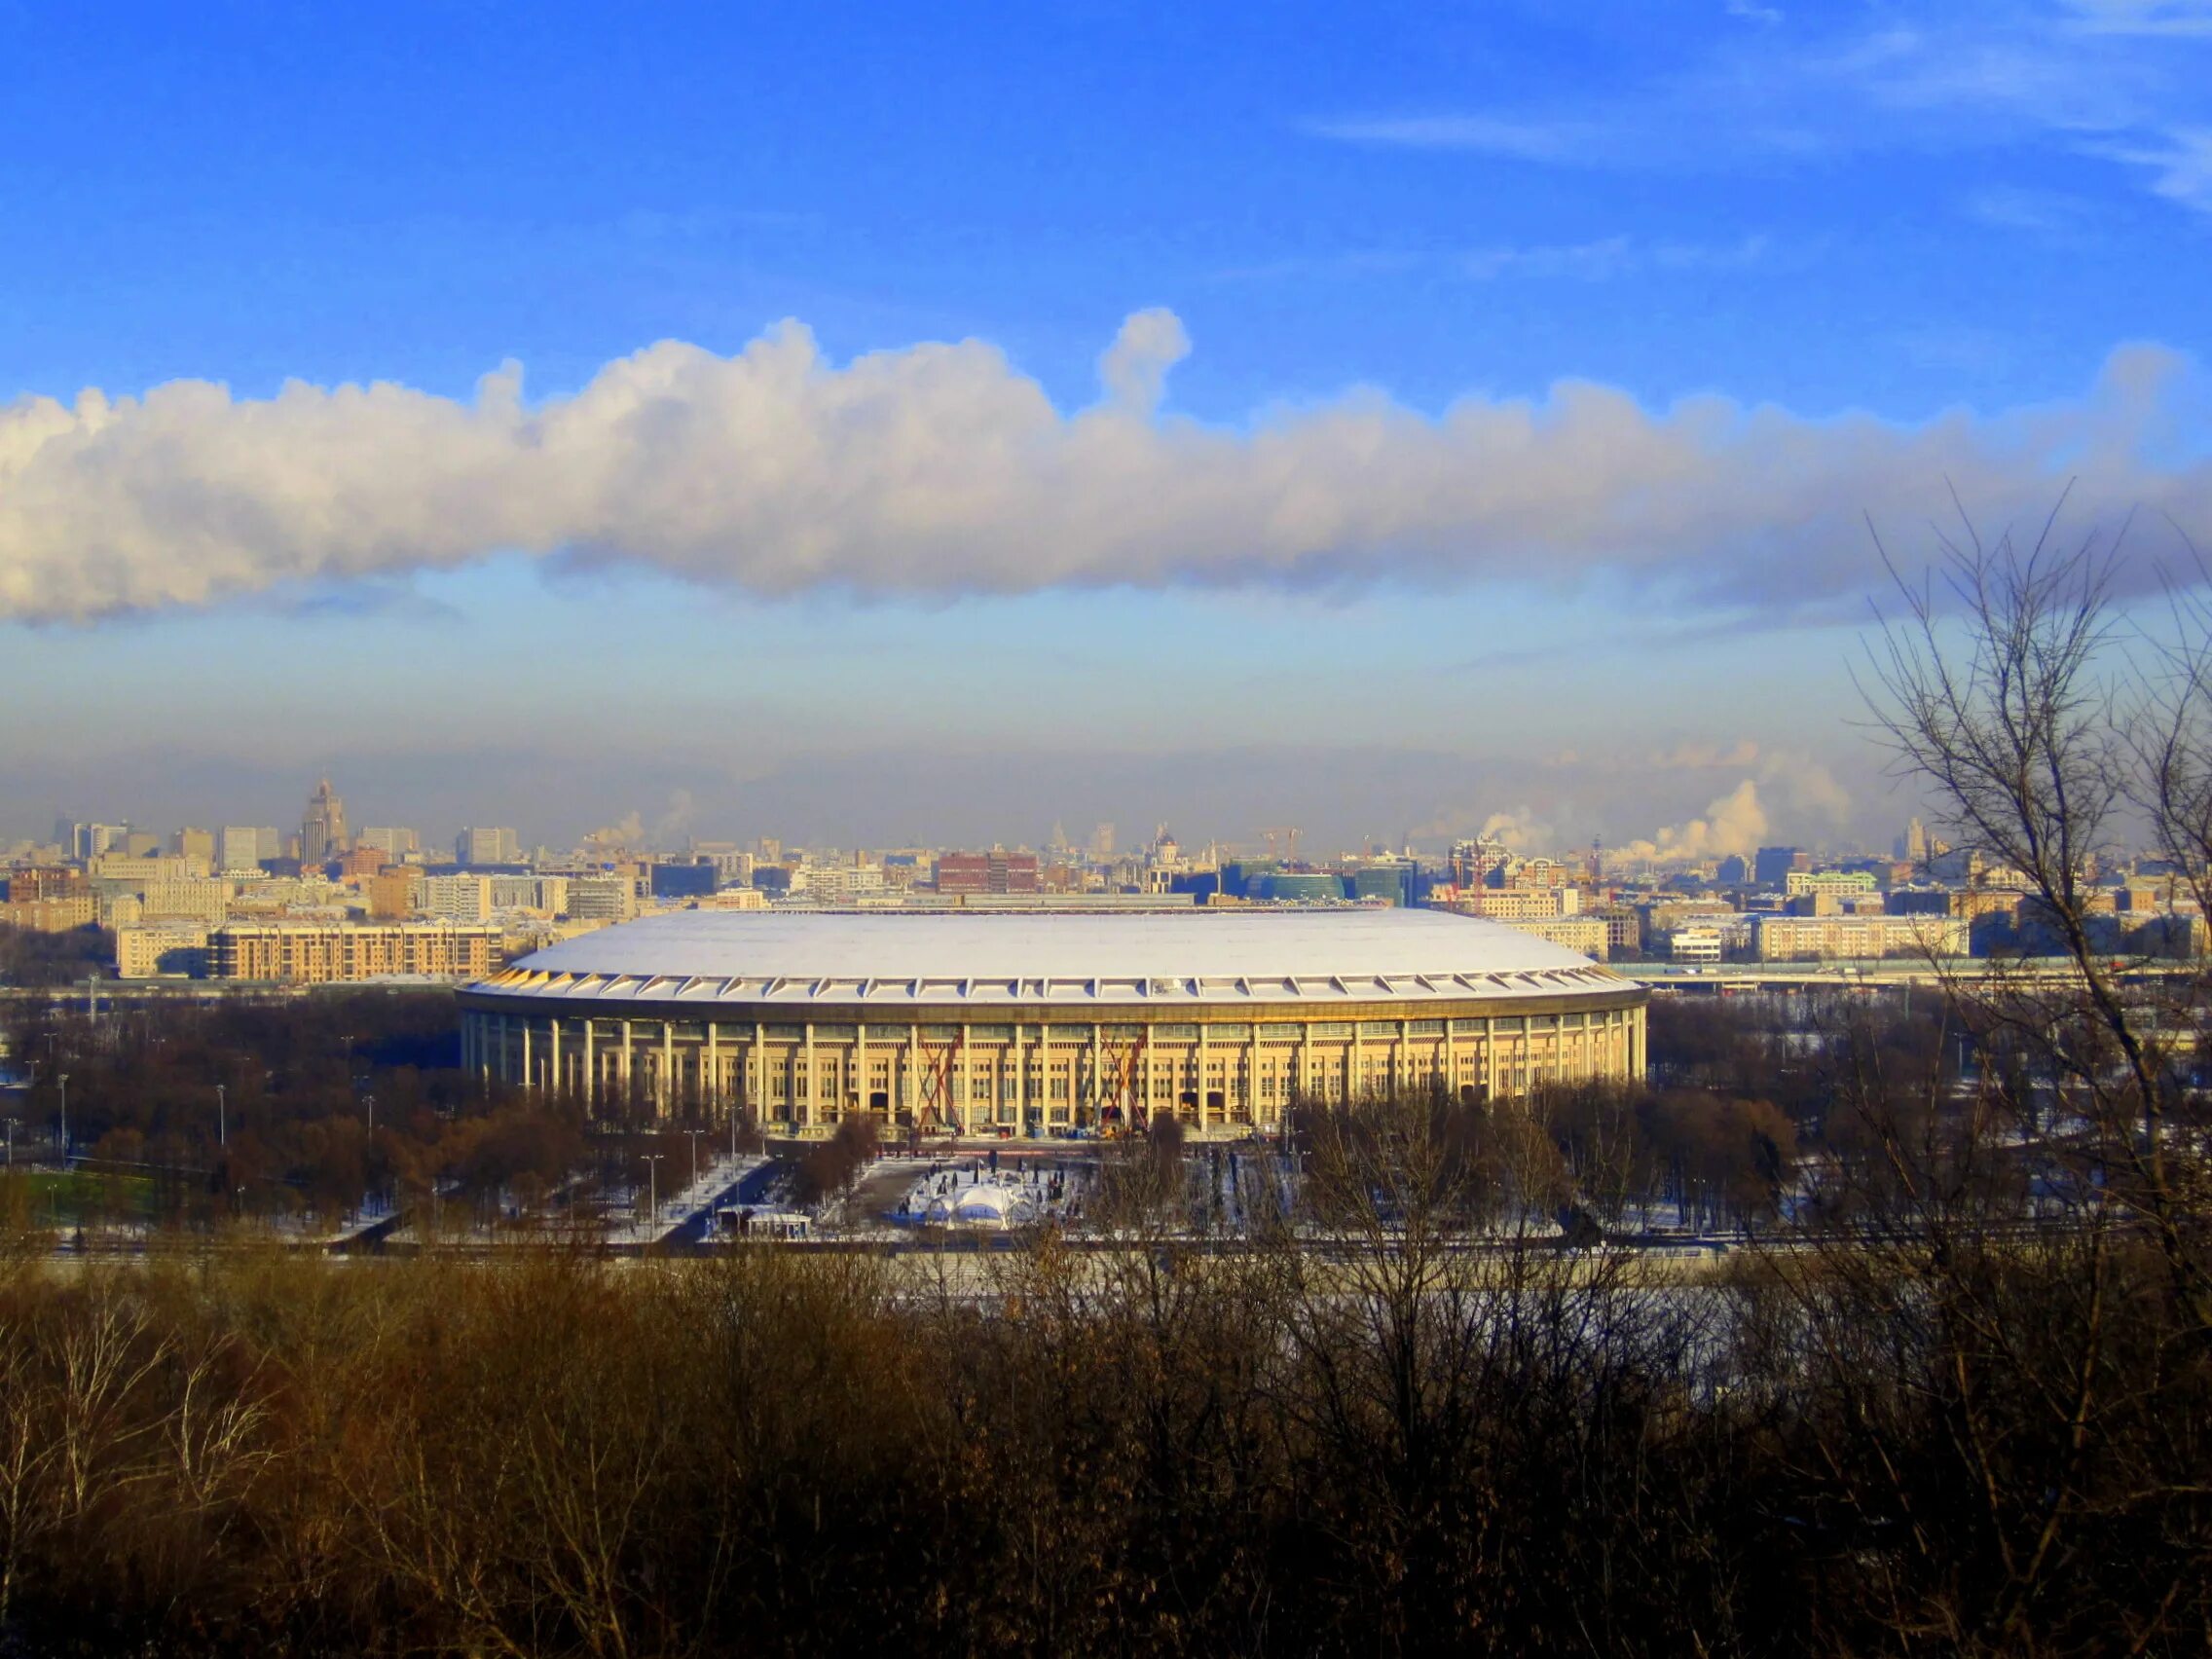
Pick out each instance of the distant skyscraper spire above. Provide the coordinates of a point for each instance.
(322, 832)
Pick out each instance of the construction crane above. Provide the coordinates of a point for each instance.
(1289, 836)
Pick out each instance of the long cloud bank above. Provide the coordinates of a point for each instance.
(939, 469)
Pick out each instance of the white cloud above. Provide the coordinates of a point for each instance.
(1700, 756)
(1735, 822)
(2044, 212)
(2180, 161)
(1520, 831)
(1135, 368)
(1609, 257)
(2158, 17)
(939, 470)
(1534, 140)
(2119, 79)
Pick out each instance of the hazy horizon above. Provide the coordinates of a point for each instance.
(925, 430)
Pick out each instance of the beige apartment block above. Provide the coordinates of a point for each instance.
(1803, 939)
(187, 898)
(117, 906)
(602, 897)
(194, 845)
(1521, 904)
(50, 915)
(1592, 936)
(539, 895)
(157, 867)
(149, 952)
(458, 898)
(1799, 882)
(307, 953)
(392, 894)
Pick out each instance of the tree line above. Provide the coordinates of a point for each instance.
(1396, 1422)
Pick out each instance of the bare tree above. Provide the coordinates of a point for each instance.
(2002, 686)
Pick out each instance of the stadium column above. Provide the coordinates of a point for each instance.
(625, 1063)
(1198, 1089)
(909, 1090)
(711, 1074)
(1490, 1059)
(502, 1051)
(667, 1089)
(813, 1113)
(1252, 1074)
(1451, 1059)
(859, 1081)
(1035, 1081)
(757, 1069)
(1097, 1090)
(527, 1079)
(965, 1084)
(1304, 1059)
(1356, 1061)
(591, 1060)
(1636, 1041)
(553, 1052)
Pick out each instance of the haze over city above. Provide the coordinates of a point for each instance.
(1400, 422)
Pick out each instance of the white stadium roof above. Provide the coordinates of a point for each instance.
(904, 961)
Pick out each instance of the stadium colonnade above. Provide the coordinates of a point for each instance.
(1042, 1023)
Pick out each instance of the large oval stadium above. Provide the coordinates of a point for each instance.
(1048, 1023)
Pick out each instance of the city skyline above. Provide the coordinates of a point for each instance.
(921, 432)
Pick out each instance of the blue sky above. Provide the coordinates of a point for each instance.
(1373, 417)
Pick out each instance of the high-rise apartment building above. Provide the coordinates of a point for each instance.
(84, 841)
(244, 847)
(601, 898)
(393, 893)
(1474, 862)
(1771, 866)
(322, 832)
(358, 863)
(547, 895)
(458, 897)
(391, 840)
(475, 848)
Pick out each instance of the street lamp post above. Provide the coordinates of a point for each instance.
(652, 1178)
(694, 1135)
(61, 1082)
(222, 1117)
